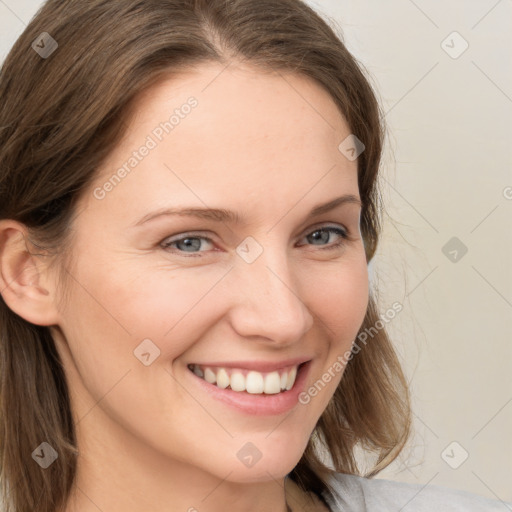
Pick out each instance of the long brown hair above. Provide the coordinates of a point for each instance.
(63, 113)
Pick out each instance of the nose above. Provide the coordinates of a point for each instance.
(268, 302)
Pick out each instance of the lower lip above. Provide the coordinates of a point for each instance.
(258, 405)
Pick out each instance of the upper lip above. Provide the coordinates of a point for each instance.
(258, 366)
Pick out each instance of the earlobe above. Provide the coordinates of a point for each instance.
(25, 286)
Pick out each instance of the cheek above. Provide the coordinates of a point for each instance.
(341, 300)
(106, 322)
(341, 305)
(172, 305)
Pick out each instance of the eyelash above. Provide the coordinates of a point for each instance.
(331, 229)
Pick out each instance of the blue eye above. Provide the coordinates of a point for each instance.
(329, 230)
(191, 244)
(187, 242)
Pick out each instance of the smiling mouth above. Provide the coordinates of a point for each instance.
(243, 380)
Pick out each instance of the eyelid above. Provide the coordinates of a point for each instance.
(186, 234)
(346, 237)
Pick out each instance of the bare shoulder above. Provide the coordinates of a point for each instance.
(376, 494)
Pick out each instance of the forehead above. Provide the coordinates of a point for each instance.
(251, 136)
(244, 102)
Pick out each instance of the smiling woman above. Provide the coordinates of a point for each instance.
(184, 337)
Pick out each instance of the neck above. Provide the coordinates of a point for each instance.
(298, 500)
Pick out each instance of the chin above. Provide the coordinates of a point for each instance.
(261, 472)
(260, 465)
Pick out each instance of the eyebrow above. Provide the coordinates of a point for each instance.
(228, 216)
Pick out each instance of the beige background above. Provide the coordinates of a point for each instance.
(447, 174)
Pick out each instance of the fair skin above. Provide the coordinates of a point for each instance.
(150, 438)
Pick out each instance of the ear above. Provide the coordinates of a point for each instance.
(25, 286)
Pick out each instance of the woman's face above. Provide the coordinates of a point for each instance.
(150, 297)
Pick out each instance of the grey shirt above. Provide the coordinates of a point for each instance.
(359, 494)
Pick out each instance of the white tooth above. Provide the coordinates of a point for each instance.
(198, 371)
(284, 380)
(291, 378)
(222, 378)
(209, 376)
(254, 383)
(237, 382)
(272, 383)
